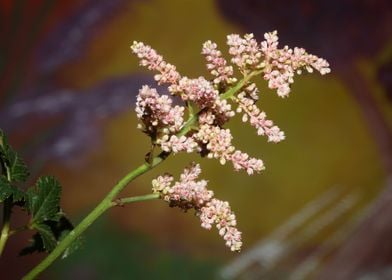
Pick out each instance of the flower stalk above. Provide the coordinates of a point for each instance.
(110, 200)
(209, 105)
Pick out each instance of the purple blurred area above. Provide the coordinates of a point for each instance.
(336, 30)
(68, 40)
(80, 113)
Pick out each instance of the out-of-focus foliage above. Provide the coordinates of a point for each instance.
(110, 253)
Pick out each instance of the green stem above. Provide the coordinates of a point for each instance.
(5, 232)
(126, 200)
(189, 124)
(104, 205)
(239, 85)
(110, 201)
(7, 210)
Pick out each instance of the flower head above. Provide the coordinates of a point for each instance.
(245, 51)
(208, 105)
(156, 111)
(258, 119)
(199, 90)
(218, 212)
(217, 65)
(214, 99)
(153, 61)
(188, 193)
(282, 64)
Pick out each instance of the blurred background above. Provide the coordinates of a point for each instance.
(322, 209)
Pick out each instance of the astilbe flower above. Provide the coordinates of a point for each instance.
(209, 105)
(219, 213)
(243, 161)
(156, 111)
(199, 90)
(217, 65)
(208, 137)
(258, 119)
(245, 51)
(177, 144)
(280, 65)
(222, 110)
(188, 193)
(218, 144)
(150, 58)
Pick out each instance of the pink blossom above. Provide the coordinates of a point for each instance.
(177, 144)
(258, 119)
(199, 90)
(270, 45)
(217, 141)
(219, 113)
(243, 161)
(245, 51)
(222, 111)
(162, 184)
(206, 117)
(219, 213)
(217, 65)
(189, 193)
(252, 91)
(156, 111)
(153, 61)
(190, 173)
(209, 104)
(280, 65)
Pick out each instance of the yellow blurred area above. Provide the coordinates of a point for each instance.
(327, 142)
(175, 28)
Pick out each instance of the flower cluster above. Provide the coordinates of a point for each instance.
(188, 193)
(153, 61)
(245, 51)
(207, 105)
(217, 144)
(217, 65)
(215, 99)
(157, 111)
(281, 64)
(258, 119)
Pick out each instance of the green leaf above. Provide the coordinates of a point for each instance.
(49, 234)
(14, 165)
(7, 190)
(64, 227)
(18, 195)
(60, 230)
(36, 245)
(43, 201)
(48, 240)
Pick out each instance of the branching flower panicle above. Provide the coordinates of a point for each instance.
(280, 65)
(192, 117)
(187, 193)
(209, 104)
(217, 65)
